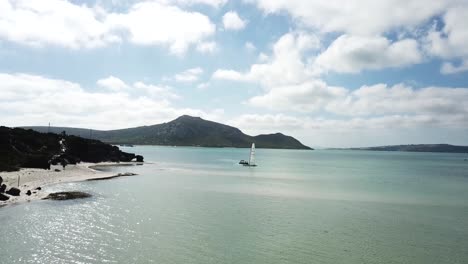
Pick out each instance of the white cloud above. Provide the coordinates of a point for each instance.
(450, 42)
(24, 86)
(115, 84)
(203, 86)
(161, 92)
(61, 23)
(190, 75)
(352, 54)
(262, 57)
(357, 17)
(232, 21)
(112, 83)
(309, 96)
(357, 132)
(381, 99)
(153, 23)
(35, 100)
(213, 3)
(440, 105)
(250, 46)
(207, 47)
(450, 68)
(267, 122)
(354, 132)
(287, 65)
(229, 75)
(55, 22)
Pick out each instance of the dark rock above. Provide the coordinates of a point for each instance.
(57, 170)
(67, 195)
(1, 180)
(13, 191)
(4, 197)
(2, 188)
(28, 193)
(38, 188)
(126, 174)
(139, 158)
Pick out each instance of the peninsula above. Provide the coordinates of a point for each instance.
(183, 131)
(419, 148)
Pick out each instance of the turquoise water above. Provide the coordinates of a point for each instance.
(197, 205)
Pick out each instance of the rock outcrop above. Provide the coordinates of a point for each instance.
(139, 158)
(4, 197)
(67, 195)
(21, 148)
(13, 191)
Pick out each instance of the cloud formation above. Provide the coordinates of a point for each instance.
(353, 54)
(212, 3)
(306, 97)
(112, 83)
(190, 75)
(62, 23)
(209, 47)
(287, 64)
(232, 21)
(291, 79)
(362, 17)
(365, 25)
(449, 42)
(34, 100)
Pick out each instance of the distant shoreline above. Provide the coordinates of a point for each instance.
(428, 148)
(190, 146)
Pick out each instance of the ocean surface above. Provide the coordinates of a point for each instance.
(197, 205)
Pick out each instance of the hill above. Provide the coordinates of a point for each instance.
(21, 148)
(420, 148)
(183, 131)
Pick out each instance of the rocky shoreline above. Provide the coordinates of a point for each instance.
(28, 185)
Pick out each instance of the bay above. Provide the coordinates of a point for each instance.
(197, 205)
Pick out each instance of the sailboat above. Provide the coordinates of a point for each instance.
(251, 162)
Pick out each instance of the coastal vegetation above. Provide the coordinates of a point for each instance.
(21, 148)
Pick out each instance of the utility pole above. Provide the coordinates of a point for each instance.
(48, 128)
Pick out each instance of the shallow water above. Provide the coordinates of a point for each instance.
(197, 205)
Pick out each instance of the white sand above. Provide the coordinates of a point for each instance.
(30, 179)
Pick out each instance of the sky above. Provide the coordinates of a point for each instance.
(330, 73)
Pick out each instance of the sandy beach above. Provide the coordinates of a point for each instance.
(31, 179)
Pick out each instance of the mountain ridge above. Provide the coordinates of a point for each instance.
(183, 131)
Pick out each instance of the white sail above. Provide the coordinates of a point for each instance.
(252, 155)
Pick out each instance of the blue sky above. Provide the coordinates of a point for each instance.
(331, 74)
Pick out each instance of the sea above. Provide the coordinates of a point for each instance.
(198, 205)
